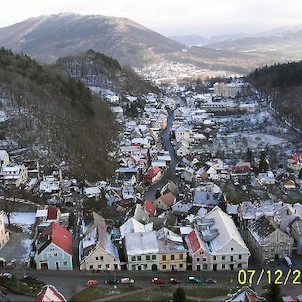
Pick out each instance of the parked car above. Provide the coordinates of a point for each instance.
(194, 280)
(111, 281)
(158, 281)
(91, 283)
(32, 280)
(210, 280)
(127, 281)
(6, 275)
(174, 281)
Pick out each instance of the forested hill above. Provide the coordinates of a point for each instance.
(282, 84)
(55, 118)
(98, 70)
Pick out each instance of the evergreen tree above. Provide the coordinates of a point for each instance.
(179, 295)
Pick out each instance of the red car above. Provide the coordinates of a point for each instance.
(174, 281)
(91, 283)
(158, 281)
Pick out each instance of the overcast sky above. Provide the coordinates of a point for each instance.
(177, 17)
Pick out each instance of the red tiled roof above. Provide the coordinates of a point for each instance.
(50, 293)
(193, 242)
(153, 172)
(52, 213)
(60, 236)
(150, 207)
(168, 198)
(297, 157)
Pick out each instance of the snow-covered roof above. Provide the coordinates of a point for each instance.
(131, 226)
(227, 230)
(141, 243)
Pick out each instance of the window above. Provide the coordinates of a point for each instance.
(55, 254)
(223, 266)
(133, 267)
(145, 266)
(133, 258)
(223, 257)
(49, 254)
(181, 256)
(100, 266)
(96, 258)
(172, 257)
(139, 258)
(214, 258)
(153, 257)
(239, 256)
(90, 266)
(204, 266)
(164, 258)
(164, 266)
(197, 259)
(181, 265)
(204, 259)
(148, 257)
(107, 266)
(232, 249)
(102, 258)
(65, 262)
(239, 265)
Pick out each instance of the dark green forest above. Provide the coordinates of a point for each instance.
(281, 86)
(56, 117)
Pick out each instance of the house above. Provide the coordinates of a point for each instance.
(216, 244)
(4, 159)
(153, 175)
(266, 178)
(267, 241)
(4, 235)
(13, 175)
(182, 148)
(150, 208)
(294, 162)
(207, 194)
(92, 192)
(96, 250)
(182, 207)
(165, 201)
(131, 226)
(53, 248)
(288, 184)
(140, 214)
(49, 294)
(182, 133)
(50, 184)
(245, 294)
(155, 250)
(46, 215)
(241, 169)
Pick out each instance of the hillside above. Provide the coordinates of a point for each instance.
(46, 38)
(97, 70)
(54, 118)
(276, 46)
(282, 85)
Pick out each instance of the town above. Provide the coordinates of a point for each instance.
(207, 182)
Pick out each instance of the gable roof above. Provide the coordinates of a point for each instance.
(226, 228)
(168, 198)
(150, 207)
(52, 213)
(192, 240)
(261, 228)
(59, 236)
(48, 294)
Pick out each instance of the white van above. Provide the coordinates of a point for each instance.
(288, 261)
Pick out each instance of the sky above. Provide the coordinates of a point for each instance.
(170, 18)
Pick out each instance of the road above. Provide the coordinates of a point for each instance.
(170, 174)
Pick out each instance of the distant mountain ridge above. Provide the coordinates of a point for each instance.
(47, 38)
